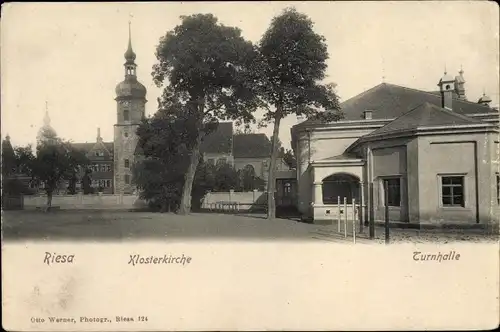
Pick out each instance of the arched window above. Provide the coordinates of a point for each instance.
(340, 185)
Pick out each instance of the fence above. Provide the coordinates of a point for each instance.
(235, 201)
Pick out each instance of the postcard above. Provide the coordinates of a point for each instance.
(224, 166)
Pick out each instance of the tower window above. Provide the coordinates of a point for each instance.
(127, 179)
(125, 134)
(125, 115)
(127, 163)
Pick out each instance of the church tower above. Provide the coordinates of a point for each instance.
(130, 109)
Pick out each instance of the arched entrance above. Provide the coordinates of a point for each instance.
(341, 185)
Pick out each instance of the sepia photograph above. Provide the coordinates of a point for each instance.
(336, 127)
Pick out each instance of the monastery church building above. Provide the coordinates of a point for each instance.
(435, 152)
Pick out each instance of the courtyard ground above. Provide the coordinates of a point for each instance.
(94, 225)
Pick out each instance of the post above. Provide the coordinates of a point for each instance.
(340, 215)
(362, 206)
(354, 220)
(386, 198)
(371, 217)
(345, 216)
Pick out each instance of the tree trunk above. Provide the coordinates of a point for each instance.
(194, 160)
(271, 179)
(49, 200)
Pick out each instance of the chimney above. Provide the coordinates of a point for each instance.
(99, 138)
(446, 86)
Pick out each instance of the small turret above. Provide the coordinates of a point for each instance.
(446, 86)
(484, 100)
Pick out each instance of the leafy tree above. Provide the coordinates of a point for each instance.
(163, 139)
(11, 185)
(226, 178)
(55, 161)
(9, 162)
(290, 68)
(24, 159)
(207, 68)
(86, 182)
(289, 159)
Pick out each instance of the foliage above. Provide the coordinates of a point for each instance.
(248, 180)
(207, 68)
(9, 161)
(163, 140)
(289, 159)
(86, 182)
(24, 159)
(55, 161)
(290, 67)
(226, 178)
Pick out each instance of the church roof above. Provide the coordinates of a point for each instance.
(424, 115)
(130, 87)
(223, 141)
(251, 146)
(389, 101)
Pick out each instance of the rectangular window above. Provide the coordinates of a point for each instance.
(221, 161)
(108, 183)
(393, 191)
(452, 191)
(125, 115)
(210, 161)
(127, 179)
(127, 163)
(108, 168)
(103, 168)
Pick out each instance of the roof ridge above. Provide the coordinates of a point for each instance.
(455, 114)
(363, 93)
(435, 95)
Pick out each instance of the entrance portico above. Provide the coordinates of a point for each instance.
(339, 177)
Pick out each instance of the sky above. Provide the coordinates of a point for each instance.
(70, 55)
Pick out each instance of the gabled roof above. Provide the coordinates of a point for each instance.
(389, 101)
(426, 115)
(220, 140)
(251, 146)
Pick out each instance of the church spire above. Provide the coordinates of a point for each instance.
(129, 54)
(46, 118)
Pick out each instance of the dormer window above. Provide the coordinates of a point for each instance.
(368, 115)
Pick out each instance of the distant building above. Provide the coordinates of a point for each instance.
(434, 155)
(250, 151)
(100, 155)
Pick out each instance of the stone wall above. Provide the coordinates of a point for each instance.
(86, 201)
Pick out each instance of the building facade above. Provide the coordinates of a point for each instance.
(431, 157)
(242, 151)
